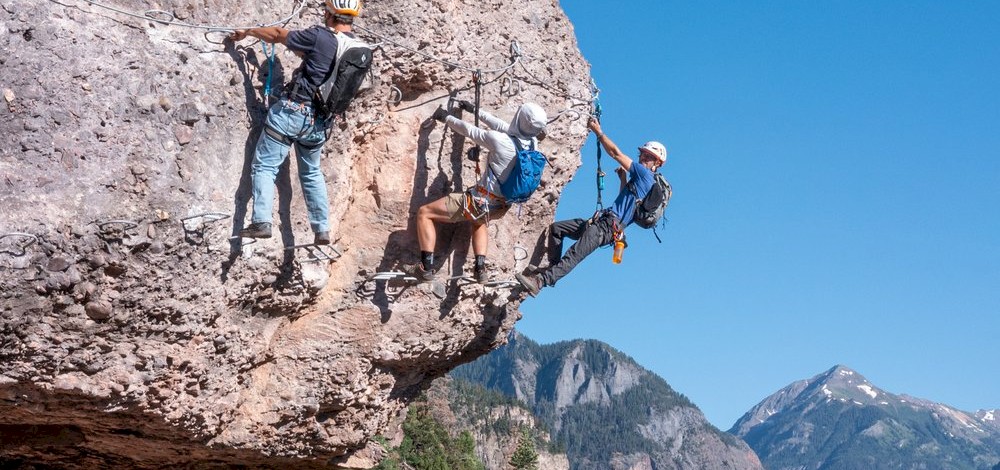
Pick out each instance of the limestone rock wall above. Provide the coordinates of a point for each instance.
(124, 161)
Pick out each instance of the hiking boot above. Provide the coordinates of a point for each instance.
(322, 238)
(532, 283)
(418, 272)
(532, 269)
(481, 275)
(257, 230)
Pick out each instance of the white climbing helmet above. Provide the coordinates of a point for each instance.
(655, 149)
(344, 7)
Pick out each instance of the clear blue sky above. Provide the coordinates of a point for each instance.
(836, 174)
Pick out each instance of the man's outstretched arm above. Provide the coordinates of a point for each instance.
(270, 34)
(613, 151)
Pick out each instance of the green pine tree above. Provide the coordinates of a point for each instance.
(525, 456)
(428, 446)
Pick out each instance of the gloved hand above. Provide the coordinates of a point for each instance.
(440, 114)
(467, 106)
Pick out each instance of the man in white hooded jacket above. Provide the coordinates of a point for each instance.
(484, 201)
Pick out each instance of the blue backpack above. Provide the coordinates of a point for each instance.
(527, 173)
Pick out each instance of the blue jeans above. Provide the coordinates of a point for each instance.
(295, 122)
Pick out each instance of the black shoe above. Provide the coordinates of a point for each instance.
(532, 284)
(257, 230)
(322, 238)
(481, 275)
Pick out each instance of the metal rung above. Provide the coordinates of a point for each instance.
(208, 217)
(127, 224)
(391, 275)
(316, 251)
(23, 246)
(244, 241)
(503, 284)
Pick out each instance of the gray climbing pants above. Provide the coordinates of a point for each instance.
(589, 235)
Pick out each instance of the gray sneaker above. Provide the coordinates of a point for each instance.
(257, 230)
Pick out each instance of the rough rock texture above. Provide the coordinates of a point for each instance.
(128, 305)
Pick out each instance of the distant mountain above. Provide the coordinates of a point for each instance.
(605, 410)
(839, 420)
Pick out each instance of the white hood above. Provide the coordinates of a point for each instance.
(528, 122)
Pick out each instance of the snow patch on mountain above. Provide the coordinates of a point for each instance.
(868, 390)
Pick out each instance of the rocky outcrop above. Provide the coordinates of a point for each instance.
(124, 159)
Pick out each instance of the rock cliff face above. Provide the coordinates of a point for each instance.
(134, 330)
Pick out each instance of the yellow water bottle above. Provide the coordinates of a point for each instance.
(619, 249)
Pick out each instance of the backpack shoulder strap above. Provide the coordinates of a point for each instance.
(517, 143)
(635, 192)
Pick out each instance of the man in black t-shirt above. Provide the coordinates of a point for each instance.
(292, 120)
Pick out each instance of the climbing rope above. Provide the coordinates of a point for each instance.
(167, 18)
(477, 78)
(551, 88)
(515, 54)
(596, 112)
(149, 15)
(270, 72)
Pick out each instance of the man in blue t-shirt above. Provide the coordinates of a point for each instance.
(605, 227)
(292, 120)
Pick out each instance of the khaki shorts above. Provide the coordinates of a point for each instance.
(457, 205)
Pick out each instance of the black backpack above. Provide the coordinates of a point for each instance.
(649, 210)
(353, 60)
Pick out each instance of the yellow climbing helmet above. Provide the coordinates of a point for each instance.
(344, 7)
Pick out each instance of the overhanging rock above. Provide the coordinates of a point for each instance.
(132, 322)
